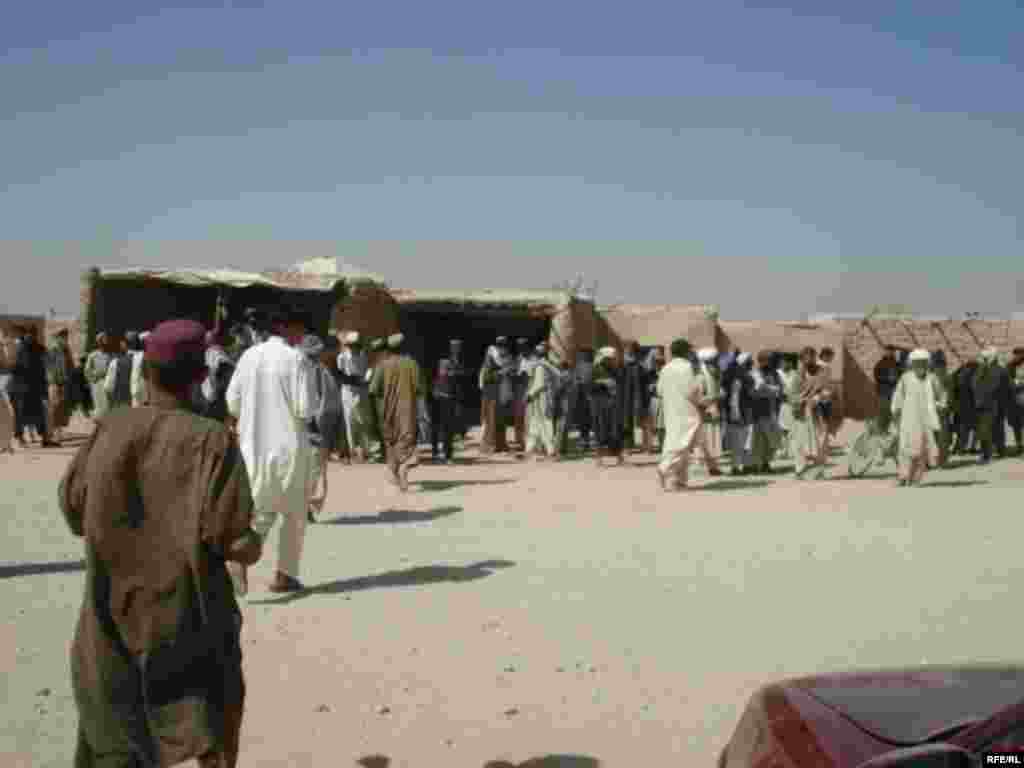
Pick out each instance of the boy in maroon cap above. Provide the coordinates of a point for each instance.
(161, 497)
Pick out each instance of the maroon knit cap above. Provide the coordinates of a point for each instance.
(176, 342)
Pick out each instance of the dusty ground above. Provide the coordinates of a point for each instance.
(504, 611)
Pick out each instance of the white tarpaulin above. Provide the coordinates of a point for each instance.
(227, 277)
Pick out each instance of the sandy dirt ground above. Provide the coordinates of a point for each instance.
(504, 611)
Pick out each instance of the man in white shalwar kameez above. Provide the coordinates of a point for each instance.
(140, 393)
(710, 441)
(683, 405)
(915, 405)
(273, 398)
(96, 365)
(353, 365)
(540, 399)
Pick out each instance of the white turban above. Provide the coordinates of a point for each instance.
(707, 354)
(920, 356)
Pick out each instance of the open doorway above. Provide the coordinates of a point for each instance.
(429, 328)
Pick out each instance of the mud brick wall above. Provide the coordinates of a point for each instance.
(960, 340)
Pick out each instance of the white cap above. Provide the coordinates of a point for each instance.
(920, 355)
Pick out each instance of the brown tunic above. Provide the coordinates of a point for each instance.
(160, 496)
(395, 386)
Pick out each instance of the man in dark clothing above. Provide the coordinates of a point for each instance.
(583, 381)
(887, 376)
(635, 397)
(967, 411)
(447, 395)
(29, 388)
(988, 385)
(162, 498)
(1015, 403)
(119, 375)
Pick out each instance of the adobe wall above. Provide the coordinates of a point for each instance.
(960, 340)
(368, 309)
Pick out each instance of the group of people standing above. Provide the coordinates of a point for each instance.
(941, 413)
(39, 387)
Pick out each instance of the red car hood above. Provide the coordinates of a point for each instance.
(906, 707)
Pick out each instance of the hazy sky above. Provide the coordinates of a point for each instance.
(774, 159)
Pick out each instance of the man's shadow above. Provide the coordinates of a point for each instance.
(40, 569)
(409, 577)
(394, 517)
(433, 486)
(549, 761)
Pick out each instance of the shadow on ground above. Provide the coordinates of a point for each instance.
(549, 761)
(951, 483)
(731, 485)
(432, 486)
(40, 569)
(410, 577)
(394, 517)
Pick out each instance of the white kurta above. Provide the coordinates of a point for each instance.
(678, 387)
(273, 396)
(914, 404)
(786, 407)
(138, 382)
(96, 365)
(353, 399)
(544, 378)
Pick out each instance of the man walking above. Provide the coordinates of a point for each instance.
(59, 368)
(353, 366)
(29, 388)
(118, 383)
(710, 441)
(162, 499)
(96, 364)
(272, 397)
(682, 404)
(447, 394)
(540, 397)
(916, 405)
(395, 389)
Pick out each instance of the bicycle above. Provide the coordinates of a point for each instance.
(873, 446)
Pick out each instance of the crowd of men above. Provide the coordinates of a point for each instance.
(205, 440)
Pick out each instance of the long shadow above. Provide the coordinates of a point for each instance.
(731, 485)
(410, 577)
(432, 486)
(549, 761)
(952, 483)
(40, 569)
(394, 517)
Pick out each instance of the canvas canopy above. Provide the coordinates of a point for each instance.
(117, 300)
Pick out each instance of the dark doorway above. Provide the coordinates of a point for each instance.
(428, 329)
